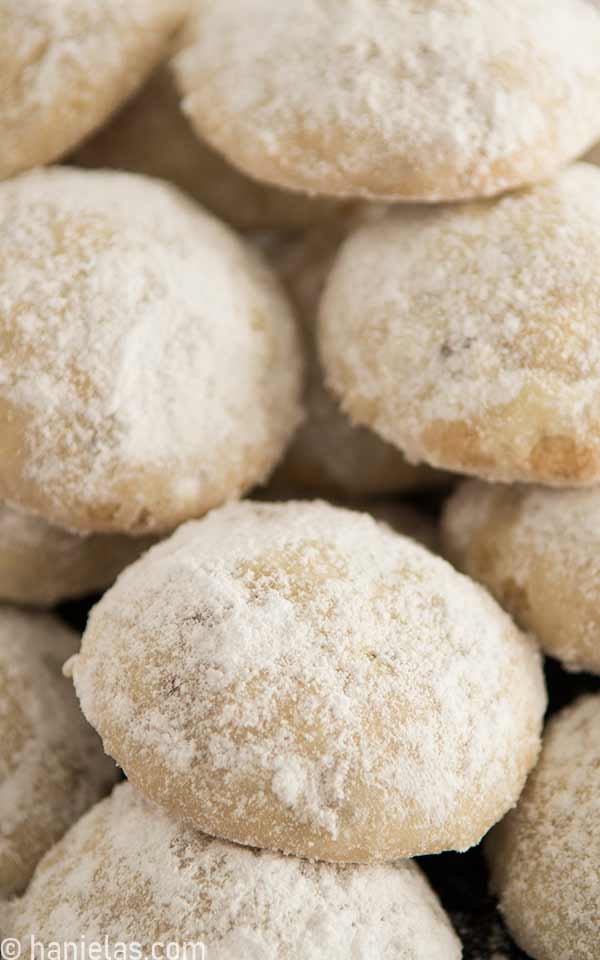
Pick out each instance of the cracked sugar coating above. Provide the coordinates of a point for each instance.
(67, 64)
(538, 551)
(329, 455)
(299, 677)
(52, 767)
(128, 872)
(423, 99)
(41, 564)
(545, 856)
(150, 366)
(469, 335)
(152, 136)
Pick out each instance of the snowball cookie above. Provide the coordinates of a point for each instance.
(151, 135)
(470, 335)
(545, 856)
(126, 870)
(427, 99)
(149, 364)
(40, 564)
(65, 65)
(538, 551)
(51, 763)
(329, 455)
(299, 677)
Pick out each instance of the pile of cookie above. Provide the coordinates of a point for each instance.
(338, 250)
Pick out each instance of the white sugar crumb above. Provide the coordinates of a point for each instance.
(127, 871)
(312, 668)
(482, 316)
(151, 360)
(545, 856)
(436, 99)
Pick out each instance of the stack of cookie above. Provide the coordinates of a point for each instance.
(302, 697)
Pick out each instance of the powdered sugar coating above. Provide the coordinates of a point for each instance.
(297, 676)
(128, 872)
(468, 335)
(150, 366)
(424, 99)
(67, 64)
(538, 551)
(41, 564)
(545, 856)
(329, 454)
(51, 763)
(151, 135)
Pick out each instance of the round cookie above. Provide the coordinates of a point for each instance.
(329, 455)
(51, 763)
(545, 856)
(67, 64)
(41, 565)
(150, 366)
(126, 871)
(538, 551)
(421, 100)
(151, 135)
(299, 677)
(469, 335)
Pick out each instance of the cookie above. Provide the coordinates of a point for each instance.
(126, 871)
(299, 677)
(538, 551)
(150, 366)
(329, 455)
(545, 856)
(435, 100)
(151, 135)
(52, 767)
(41, 565)
(67, 64)
(467, 335)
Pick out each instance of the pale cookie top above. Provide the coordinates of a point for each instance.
(149, 363)
(51, 763)
(545, 856)
(67, 64)
(423, 99)
(128, 872)
(468, 335)
(301, 677)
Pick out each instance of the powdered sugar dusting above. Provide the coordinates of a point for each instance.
(538, 551)
(126, 871)
(300, 677)
(420, 99)
(545, 856)
(67, 64)
(149, 357)
(467, 335)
